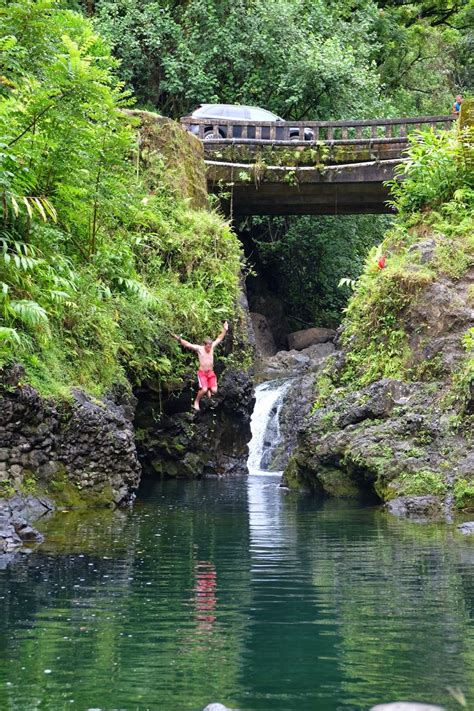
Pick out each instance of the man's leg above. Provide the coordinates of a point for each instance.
(212, 382)
(200, 394)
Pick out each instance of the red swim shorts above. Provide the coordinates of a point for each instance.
(207, 379)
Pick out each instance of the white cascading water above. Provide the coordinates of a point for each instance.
(268, 402)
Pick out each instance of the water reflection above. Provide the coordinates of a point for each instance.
(205, 595)
(249, 595)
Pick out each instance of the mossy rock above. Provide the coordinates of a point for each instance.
(338, 484)
(67, 494)
(181, 152)
(290, 477)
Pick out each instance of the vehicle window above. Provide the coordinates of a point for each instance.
(262, 115)
(209, 111)
(236, 112)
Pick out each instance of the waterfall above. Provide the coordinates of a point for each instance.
(265, 425)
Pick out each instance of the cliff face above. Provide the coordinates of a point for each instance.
(80, 449)
(406, 437)
(394, 407)
(80, 452)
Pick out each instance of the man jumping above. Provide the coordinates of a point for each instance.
(205, 353)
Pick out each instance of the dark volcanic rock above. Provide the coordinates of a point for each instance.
(16, 515)
(265, 343)
(417, 506)
(263, 301)
(87, 443)
(176, 441)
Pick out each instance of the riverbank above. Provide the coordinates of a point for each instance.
(393, 407)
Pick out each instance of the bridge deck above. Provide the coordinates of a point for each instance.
(337, 167)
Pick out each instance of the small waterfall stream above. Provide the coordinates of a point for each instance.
(265, 425)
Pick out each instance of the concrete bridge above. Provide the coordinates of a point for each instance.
(312, 168)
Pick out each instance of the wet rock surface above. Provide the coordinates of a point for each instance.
(391, 438)
(416, 506)
(176, 441)
(84, 443)
(17, 513)
(467, 528)
(410, 443)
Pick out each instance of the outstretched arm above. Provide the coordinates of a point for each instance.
(185, 343)
(222, 334)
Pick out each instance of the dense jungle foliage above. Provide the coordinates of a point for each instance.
(435, 202)
(315, 60)
(100, 254)
(303, 260)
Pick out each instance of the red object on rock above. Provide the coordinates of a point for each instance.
(381, 262)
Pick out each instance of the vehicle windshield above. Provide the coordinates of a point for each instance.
(231, 111)
(263, 115)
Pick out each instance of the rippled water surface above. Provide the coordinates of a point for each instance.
(238, 592)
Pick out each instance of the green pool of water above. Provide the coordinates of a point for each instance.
(238, 592)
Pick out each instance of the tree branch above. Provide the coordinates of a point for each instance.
(35, 119)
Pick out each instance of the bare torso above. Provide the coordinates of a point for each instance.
(206, 358)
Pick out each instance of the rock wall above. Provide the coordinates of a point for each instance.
(79, 450)
(408, 442)
(176, 441)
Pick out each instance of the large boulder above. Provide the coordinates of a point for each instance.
(264, 341)
(298, 340)
(286, 364)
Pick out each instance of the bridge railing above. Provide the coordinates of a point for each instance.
(363, 131)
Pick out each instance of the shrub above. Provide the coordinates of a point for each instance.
(100, 256)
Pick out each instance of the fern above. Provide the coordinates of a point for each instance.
(138, 289)
(9, 336)
(30, 313)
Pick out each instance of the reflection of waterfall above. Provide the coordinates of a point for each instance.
(264, 425)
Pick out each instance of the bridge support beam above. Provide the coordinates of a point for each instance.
(337, 190)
